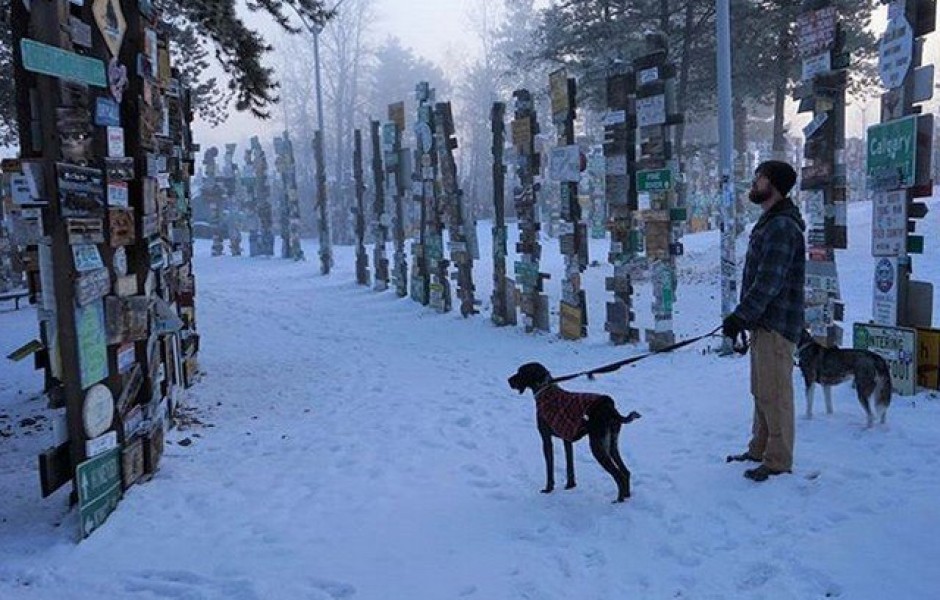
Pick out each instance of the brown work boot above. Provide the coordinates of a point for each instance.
(761, 473)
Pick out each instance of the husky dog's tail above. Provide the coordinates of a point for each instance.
(882, 392)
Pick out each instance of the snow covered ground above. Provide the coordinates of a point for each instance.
(359, 446)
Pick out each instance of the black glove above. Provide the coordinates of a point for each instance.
(732, 326)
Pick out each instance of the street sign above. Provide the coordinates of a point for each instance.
(56, 62)
(817, 31)
(651, 110)
(885, 292)
(99, 489)
(892, 149)
(895, 52)
(657, 180)
(888, 223)
(897, 345)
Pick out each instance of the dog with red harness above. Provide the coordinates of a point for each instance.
(571, 416)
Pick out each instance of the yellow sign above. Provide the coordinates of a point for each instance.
(111, 23)
(571, 322)
(928, 358)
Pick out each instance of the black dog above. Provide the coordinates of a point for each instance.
(571, 416)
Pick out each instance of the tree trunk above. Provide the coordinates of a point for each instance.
(684, 78)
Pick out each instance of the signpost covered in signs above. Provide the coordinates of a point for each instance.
(429, 282)
(621, 198)
(898, 166)
(503, 298)
(118, 238)
(461, 226)
(362, 258)
(573, 233)
(380, 226)
(658, 178)
(397, 179)
(290, 205)
(823, 181)
(524, 127)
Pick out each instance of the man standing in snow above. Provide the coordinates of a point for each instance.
(771, 308)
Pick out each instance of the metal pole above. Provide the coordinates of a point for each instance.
(729, 221)
(326, 252)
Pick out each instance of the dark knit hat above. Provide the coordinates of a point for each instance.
(781, 175)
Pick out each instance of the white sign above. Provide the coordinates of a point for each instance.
(100, 444)
(97, 410)
(19, 189)
(885, 292)
(565, 164)
(115, 142)
(895, 51)
(651, 110)
(117, 194)
(87, 257)
(814, 65)
(648, 75)
(889, 223)
(615, 117)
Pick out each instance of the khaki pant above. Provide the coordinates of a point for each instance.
(772, 387)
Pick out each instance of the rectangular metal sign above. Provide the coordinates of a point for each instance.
(56, 62)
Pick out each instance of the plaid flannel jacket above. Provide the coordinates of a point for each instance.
(564, 411)
(772, 289)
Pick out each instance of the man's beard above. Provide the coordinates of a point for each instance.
(758, 196)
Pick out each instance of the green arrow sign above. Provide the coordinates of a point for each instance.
(49, 60)
(99, 488)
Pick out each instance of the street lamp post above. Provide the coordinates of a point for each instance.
(326, 253)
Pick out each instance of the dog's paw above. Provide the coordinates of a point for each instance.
(547, 490)
(571, 485)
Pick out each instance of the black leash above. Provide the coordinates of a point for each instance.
(620, 363)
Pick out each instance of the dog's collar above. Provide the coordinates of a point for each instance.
(542, 388)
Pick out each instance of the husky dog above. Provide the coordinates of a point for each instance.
(832, 366)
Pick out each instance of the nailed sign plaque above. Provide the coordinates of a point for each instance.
(111, 23)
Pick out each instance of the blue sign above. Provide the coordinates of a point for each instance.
(107, 113)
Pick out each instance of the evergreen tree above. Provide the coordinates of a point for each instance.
(199, 27)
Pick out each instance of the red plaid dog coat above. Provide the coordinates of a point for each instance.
(564, 411)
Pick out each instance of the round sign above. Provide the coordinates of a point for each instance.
(895, 51)
(98, 410)
(120, 262)
(424, 135)
(884, 276)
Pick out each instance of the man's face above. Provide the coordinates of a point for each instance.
(760, 189)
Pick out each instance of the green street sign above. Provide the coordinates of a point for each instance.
(49, 60)
(892, 152)
(99, 489)
(657, 180)
(526, 273)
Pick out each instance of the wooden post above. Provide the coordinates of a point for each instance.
(397, 173)
(823, 181)
(362, 259)
(533, 303)
(573, 235)
(380, 224)
(901, 175)
(620, 157)
(461, 227)
(503, 298)
(429, 282)
(656, 177)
